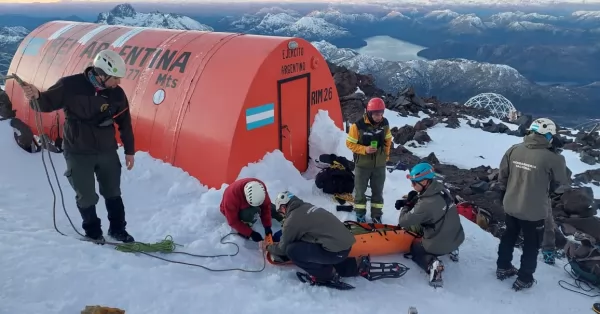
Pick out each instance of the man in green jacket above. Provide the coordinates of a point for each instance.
(314, 240)
(528, 172)
(93, 102)
(435, 211)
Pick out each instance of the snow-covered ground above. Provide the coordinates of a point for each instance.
(44, 272)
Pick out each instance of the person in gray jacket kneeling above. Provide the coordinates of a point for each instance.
(436, 214)
(315, 240)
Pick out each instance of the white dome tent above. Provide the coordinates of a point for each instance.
(498, 105)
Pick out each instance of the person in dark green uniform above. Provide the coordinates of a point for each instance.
(370, 140)
(92, 102)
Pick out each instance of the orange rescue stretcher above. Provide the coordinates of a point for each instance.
(371, 239)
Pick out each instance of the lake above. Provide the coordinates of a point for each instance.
(391, 49)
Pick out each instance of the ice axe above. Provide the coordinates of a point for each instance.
(397, 166)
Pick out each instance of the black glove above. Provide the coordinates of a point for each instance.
(256, 237)
(268, 231)
(412, 197)
(399, 204)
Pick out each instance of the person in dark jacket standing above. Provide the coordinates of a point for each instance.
(370, 139)
(436, 214)
(92, 102)
(314, 240)
(528, 172)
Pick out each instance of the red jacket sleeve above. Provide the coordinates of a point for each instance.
(265, 212)
(231, 211)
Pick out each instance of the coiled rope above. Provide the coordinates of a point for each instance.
(166, 246)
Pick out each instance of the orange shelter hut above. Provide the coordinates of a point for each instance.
(206, 102)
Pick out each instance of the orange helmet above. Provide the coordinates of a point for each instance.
(375, 104)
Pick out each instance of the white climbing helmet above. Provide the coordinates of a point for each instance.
(543, 126)
(282, 199)
(255, 193)
(111, 63)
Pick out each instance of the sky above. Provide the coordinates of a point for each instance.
(291, 1)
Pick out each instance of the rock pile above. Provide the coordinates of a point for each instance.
(477, 185)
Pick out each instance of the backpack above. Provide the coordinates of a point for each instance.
(467, 210)
(337, 178)
(584, 261)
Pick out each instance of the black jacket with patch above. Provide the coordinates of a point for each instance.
(85, 109)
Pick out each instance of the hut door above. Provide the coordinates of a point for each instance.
(294, 119)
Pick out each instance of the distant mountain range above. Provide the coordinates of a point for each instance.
(451, 80)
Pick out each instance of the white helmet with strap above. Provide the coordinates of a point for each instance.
(543, 126)
(111, 63)
(282, 199)
(255, 193)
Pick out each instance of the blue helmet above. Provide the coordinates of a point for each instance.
(420, 172)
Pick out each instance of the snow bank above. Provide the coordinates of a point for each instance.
(44, 272)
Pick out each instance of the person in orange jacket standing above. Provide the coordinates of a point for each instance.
(370, 140)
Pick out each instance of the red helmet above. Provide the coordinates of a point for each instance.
(375, 104)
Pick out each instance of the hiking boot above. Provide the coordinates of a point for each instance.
(91, 224)
(98, 239)
(376, 220)
(549, 257)
(360, 218)
(435, 270)
(454, 255)
(521, 284)
(364, 266)
(334, 279)
(116, 216)
(502, 274)
(596, 307)
(121, 235)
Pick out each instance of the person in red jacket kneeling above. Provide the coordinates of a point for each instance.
(242, 201)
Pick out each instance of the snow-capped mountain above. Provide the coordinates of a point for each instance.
(466, 24)
(312, 27)
(454, 79)
(10, 38)
(125, 14)
(440, 16)
(337, 17)
(280, 22)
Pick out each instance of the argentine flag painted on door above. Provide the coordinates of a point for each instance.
(260, 116)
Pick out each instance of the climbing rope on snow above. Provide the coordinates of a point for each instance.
(580, 285)
(166, 246)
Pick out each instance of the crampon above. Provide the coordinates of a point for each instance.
(375, 270)
(335, 284)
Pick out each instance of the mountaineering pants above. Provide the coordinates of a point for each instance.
(533, 233)
(549, 242)
(318, 262)
(362, 178)
(248, 215)
(420, 256)
(107, 169)
(80, 173)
